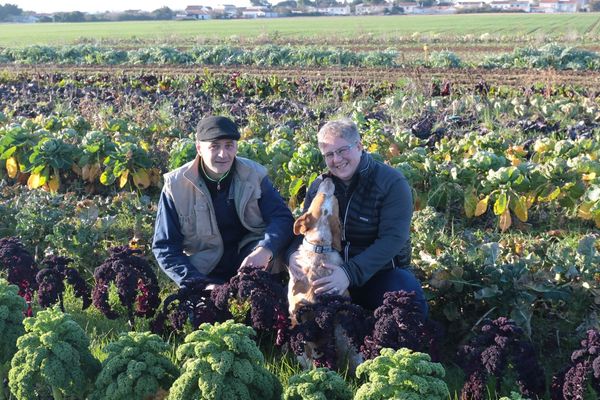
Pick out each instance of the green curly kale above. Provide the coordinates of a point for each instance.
(135, 369)
(53, 358)
(317, 384)
(12, 307)
(401, 374)
(222, 362)
(514, 396)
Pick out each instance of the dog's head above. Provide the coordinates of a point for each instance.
(320, 225)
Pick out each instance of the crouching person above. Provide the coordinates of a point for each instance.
(219, 212)
(376, 206)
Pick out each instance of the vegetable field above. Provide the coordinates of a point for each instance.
(322, 29)
(501, 150)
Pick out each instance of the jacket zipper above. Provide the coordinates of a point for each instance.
(347, 246)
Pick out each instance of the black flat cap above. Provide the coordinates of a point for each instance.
(213, 128)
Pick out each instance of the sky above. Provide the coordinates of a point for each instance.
(46, 6)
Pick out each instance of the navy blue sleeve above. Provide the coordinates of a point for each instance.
(167, 244)
(277, 216)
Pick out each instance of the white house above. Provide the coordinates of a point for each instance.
(371, 9)
(258, 12)
(435, 10)
(469, 3)
(409, 7)
(227, 10)
(556, 6)
(24, 19)
(197, 12)
(339, 10)
(507, 5)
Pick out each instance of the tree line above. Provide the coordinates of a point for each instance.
(8, 12)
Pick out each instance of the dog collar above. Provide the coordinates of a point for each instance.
(316, 248)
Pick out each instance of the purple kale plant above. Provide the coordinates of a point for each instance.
(134, 279)
(500, 344)
(318, 324)
(191, 302)
(51, 280)
(399, 323)
(20, 268)
(572, 381)
(266, 296)
(557, 384)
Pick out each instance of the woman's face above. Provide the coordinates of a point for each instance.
(342, 157)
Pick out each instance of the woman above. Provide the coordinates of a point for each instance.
(375, 211)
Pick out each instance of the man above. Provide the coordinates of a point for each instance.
(218, 212)
(375, 210)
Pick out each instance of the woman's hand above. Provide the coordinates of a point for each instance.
(336, 283)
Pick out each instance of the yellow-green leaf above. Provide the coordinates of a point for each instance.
(470, 203)
(500, 204)
(482, 206)
(123, 178)
(584, 211)
(12, 166)
(104, 178)
(34, 181)
(550, 196)
(530, 197)
(54, 184)
(141, 178)
(520, 208)
(505, 220)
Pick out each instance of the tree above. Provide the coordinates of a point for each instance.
(260, 3)
(326, 3)
(9, 10)
(287, 4)
(305, 3)
(163, 13)
(73, 16)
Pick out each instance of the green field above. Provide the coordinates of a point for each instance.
(580, 28)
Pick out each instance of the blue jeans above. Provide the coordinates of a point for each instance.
(370, 295)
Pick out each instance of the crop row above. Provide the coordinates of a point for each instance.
(255, 297)
(468, 174)
(49, 356)
(550, 56)
(477, 157)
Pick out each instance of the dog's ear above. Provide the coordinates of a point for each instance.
(303, 224)
(336, 232)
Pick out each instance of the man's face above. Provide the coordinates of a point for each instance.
(342, 157)
(217, 155)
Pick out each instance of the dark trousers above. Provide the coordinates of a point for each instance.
(370, 295)
(230, 262)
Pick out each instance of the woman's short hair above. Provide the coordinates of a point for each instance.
(342, 128)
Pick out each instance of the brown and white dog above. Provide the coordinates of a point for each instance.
(321, 228)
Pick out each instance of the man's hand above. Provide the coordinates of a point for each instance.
(336, 283)
(260, 257)
(294, 269)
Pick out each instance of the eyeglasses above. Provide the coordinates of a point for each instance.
(342, 151)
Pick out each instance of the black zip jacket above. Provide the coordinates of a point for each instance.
(375, 211)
